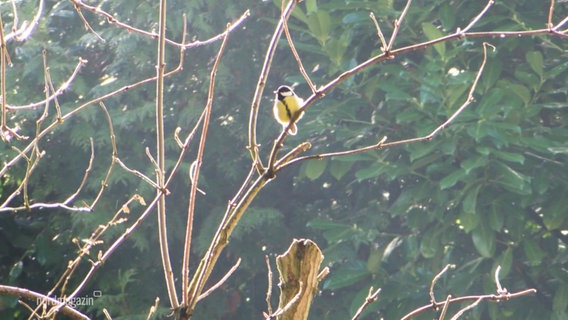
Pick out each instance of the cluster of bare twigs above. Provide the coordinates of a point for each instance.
(442, 306)
(262, 169)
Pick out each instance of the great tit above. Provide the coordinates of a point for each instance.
(286, 105)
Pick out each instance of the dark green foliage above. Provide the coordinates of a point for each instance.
(488, 190)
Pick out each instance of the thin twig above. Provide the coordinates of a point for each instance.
(435, 279)
(103, 257)
(445, 308)
(478, 17)
(297, 57)
(111, 19)
(371, 297)
(220, 282)
(375, 146)
(87, 25)
(26, 30)
(500, 289)
(290, 303)
(489, 297)
(35, 296)
(463, 310)
(397, 24)
(550, 14)
(114, 156)
(64, 86)
(199, 159)
(49, 88)
(161, 157)
(379, 32)
(85, 176)
(153, 308)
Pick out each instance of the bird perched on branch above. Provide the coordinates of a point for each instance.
(286, 106)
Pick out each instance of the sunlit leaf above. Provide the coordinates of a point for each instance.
(315, 168)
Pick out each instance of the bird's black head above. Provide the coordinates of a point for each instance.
(284, 91)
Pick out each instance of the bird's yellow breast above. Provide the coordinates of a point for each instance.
(286, 108)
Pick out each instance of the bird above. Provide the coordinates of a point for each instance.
(286, 106)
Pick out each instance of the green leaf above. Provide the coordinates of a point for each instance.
(521, 91)
(509, 156)
(311, 6)
(536, 62)
(346, 276)
(372, 171)
(469, 203)
(319, 25)
(484, 240)
(418, 151)
(554, 214)
(469, 221)
(432, 33)
(430, 243)
(451, 179)
(560, 301)
(321, 224)
(473, 162)
(315, 168)
(16, 270)
(447, 16)
(512, 179)
(496, 218)
(338, 169)
(492, 73)
(533, 252)
(489, 104)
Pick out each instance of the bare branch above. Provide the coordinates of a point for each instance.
(86, 23)
(24, 32)
(191, 206)
(111, 19)
(161, 157)
(291, 303)
(297, 57)
(435, 279)
(500, 289)
(476, 19)
(468, 307)
(34, 296)
(64, 86)
(220, 282)
(397, 24)
(103, 257)
(371, 297)
(379, 32)
(86, 175)
(445, 308)
(550, 14)
(153, 309)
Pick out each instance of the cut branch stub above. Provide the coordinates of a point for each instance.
(298, 270)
